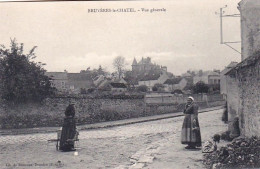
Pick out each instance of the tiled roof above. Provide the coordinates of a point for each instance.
(150, 77)
(145, 61)
(173, 81)
(211, 73)
(134, 62)
(246, 62)
(79, 76)
(232, 64)
(57, 75)
(118, 85)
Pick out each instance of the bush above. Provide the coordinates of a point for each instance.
(142, 88)
(201, 87)
(158, 87)
(22, 79)
(83, 91)
(226, 136)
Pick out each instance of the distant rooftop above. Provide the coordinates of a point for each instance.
(57, 75)
(173, 81)
(118, 85)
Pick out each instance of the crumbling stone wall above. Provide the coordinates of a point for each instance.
(88, 110)
(250, 26)
(232, 99)
(249, 94)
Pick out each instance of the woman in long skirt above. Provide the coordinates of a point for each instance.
(68, 130)
(190, 133)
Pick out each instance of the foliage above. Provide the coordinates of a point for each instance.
(142, 88)
(119, 64)
(83, 91)
(22, 80)
(131, 78)
(177, 91)
(214, 88)
(158, 87)
(200, 87)
(95, 72)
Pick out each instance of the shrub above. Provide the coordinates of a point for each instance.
(142, 88)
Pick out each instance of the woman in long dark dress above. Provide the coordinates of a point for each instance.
(68, 129)
(190, 133)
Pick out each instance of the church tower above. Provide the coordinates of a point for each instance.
(134, 66)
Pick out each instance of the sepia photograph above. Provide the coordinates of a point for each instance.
(138, 84)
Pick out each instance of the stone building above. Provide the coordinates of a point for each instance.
(225, 79)
(244, 79)
(146, 65)
(250, 20)
(69, 82)
(150, 81)
(59, 80)
(208, 77)
(173, 84)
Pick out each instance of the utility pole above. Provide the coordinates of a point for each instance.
(221, 12)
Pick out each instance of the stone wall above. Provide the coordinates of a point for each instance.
(88, 110)
(250, 21)
(232, 99)
(51, 111)
(249, 94)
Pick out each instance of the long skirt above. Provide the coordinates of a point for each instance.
(67, 134)
(188, 135)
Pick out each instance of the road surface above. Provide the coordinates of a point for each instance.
(154, 144)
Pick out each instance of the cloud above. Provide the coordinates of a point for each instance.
(76, 63)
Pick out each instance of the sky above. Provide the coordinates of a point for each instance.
(68, 37)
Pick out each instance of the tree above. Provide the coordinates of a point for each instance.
(22, 80)
(201, 87)
(119, 64)
(142, 88)
(95, 72)
(158, 87)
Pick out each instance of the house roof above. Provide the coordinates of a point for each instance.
(79, 76)
(121, 80)
(173, 81)
(228, 68)
(145, 61)
(209, 73)
(186, 74)
(251, 60)
(57, 75)
(150, 77)
(232, 64)
(118, 85)
(134, 62)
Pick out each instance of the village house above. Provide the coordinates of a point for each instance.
(179, 83)
(69, 82)
(110, 84)
(145, 65)
(118, 87)
(208, 77)
(78, 81)
(224, 79)
(151, 80)
(59, 80)
(245, 75)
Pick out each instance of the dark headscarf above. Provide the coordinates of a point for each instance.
(70, 110)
